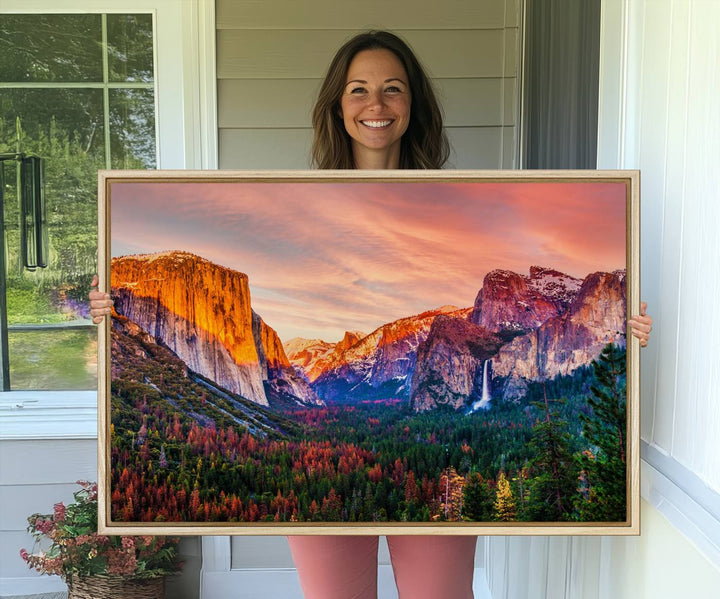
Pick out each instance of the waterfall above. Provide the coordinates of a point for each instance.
(485, 384)
(486, 395)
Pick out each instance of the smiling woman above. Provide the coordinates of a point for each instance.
(375, 78)
(375, 108)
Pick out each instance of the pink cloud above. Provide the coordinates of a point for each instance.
(327, 257)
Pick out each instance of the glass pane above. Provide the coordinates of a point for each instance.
(53, 359)
(130, 47)
(64, 127)
(49, 117)
(50, 48)
(132, 128)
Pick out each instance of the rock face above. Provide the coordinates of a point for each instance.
(277, 371)
(511, 302)
(562, 343)
(202, 312)
(380, 364)
(450, 364)
(313, 357)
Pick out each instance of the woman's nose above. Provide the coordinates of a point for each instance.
(376, 99)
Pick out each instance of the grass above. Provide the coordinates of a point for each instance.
(53, 360)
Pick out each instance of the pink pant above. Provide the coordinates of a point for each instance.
(345, 567)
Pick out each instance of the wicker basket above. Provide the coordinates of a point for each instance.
(116, 587)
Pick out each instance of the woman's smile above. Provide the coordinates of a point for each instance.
(375, 107)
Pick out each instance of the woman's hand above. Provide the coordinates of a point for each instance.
(641, 325)
(100, 303)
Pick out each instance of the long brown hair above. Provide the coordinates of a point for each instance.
(424, 144)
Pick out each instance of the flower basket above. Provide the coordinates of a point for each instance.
(116, 587)
(96, 566)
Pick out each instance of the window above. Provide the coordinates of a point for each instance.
(77, 90)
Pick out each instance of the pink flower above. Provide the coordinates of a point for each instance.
(43, 526)
(24, 555)
(59, 512)
(128, 543)
(121, 562)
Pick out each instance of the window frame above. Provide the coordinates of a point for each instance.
(186, 138)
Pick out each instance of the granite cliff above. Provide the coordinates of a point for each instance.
(378, 365)
(564, 342)
(202, 312)
(450, 364)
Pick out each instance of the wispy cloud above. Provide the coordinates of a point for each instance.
(326, 257)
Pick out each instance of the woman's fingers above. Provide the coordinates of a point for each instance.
(100, 302)
(641, 325)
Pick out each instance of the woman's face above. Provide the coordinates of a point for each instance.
(375, 106)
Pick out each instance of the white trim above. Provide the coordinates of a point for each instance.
(201, 82)
(32, 585)
(216, 552)
(693, 508)
(184, 76)
(48, 415)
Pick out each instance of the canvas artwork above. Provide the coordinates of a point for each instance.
(309, 352)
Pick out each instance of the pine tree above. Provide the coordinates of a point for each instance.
(553, 490)
(604, 462)
(505, 509)
(451, 486)
(479, 499)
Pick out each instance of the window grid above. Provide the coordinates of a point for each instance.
(105, 85)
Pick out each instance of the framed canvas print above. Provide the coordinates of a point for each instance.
(331, 352)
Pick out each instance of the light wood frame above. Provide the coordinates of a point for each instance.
(631, 526)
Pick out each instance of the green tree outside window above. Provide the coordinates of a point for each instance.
(78, 91)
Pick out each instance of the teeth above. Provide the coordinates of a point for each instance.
(376, 123)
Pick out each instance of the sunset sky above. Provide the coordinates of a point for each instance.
(323, 258)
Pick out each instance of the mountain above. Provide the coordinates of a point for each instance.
(202, 312)
(562, 343)
(281, 379)
(450, 361)
(312, 357)
(380, 364)
(510, 302)
(148, 378)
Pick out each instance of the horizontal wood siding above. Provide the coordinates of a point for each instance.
(34, 476)
(396, 15)
(271, 57)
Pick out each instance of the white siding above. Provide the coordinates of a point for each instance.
(271, 57)
(34, 475)
(660, 81)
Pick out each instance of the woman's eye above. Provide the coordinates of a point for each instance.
(393, 89)
(357, 90)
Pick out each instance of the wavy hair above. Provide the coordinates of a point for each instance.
(423, 146)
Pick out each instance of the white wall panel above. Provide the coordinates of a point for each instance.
(271, 57)
(306, 53)
(660, 84)
(475, 147)
(671, 238)
(652, 117)
(697, 423)
(265, 148)
(400, 14)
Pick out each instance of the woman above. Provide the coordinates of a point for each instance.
(377, 110)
